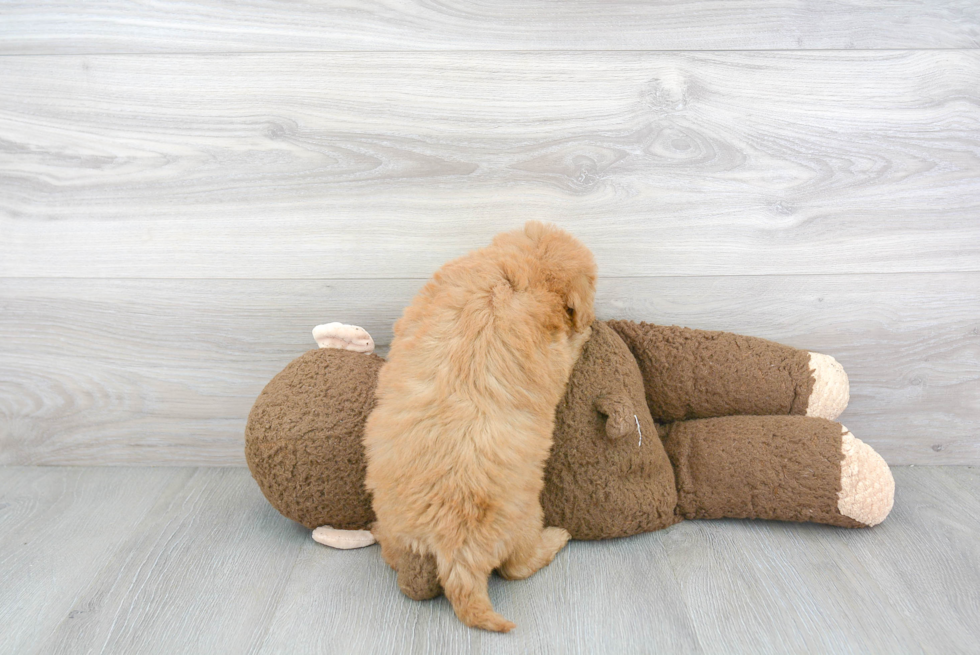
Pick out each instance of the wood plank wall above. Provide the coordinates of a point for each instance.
(187, 188)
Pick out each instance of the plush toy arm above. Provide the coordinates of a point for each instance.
(621, 419)
(700, 374)
(786, 468)
(343, 337)
(342, 539)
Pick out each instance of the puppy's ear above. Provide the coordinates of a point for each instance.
(579, 297)
(570, 270)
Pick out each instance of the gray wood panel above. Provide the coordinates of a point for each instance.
(58, 529)
(203, 572)
(810, 589)
(165, 371)
(944, 505)
(586, 601)
(172, 560)
(740, 579)
(388, 164)
(56, 26)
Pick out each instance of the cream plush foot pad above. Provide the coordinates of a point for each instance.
(831, 391)
(867, 488)
(343, 539)
(343, 337)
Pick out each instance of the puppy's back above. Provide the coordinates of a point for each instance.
(457, 442)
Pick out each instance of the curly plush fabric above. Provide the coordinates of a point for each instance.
(692, 374)
(303, 438)
(785, 468)
(867, 486)
(608, 475)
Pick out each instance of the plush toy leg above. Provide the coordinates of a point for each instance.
(788, 468)
(700, 374)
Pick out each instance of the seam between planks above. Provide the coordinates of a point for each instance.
(423, 279)
(194, 53)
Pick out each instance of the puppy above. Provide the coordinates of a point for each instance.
(457, 442)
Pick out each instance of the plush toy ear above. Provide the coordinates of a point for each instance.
(343, 337)
(620, 416)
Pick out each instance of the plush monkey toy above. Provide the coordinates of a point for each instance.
(657, 425)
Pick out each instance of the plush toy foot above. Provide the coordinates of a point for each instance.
(343, 337)
(831, 391)
(343, 539)
(867, 487)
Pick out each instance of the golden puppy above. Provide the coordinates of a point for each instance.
(457, 443)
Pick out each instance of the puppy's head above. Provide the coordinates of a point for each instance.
(565, 268)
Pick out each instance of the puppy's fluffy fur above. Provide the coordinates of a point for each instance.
(457, 443)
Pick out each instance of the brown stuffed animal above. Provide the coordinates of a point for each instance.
(658, 424)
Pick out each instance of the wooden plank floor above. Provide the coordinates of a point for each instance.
(193, 560)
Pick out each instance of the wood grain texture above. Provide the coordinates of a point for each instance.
(58, 529)
(740, 579)
(202, 573)
(810, 589)
(56, 26)
(586, 601)
(165, 371)
(182, 560)
(909, 343)
(388, 164)
(936, 562)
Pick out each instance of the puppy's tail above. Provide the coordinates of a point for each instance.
(466, 589)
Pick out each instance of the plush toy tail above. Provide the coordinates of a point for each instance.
(466, 589)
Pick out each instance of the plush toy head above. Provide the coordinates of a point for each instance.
(303, 438)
